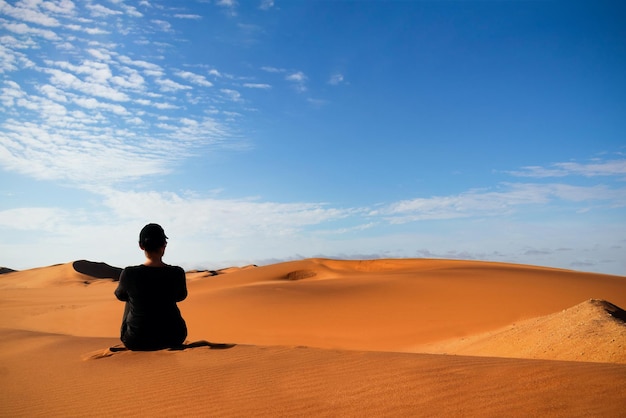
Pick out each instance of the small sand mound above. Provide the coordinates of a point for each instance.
(593, 331)
(97, 270)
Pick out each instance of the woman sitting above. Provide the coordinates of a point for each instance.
(152, 320)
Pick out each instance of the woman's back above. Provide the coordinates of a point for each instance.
(151, 318)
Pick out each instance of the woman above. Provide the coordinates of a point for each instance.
(152, 320)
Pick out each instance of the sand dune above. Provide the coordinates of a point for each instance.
(97, 270)
(326, 338)
(594, 330)
(4, 270)
(391, 305)
(78, 272)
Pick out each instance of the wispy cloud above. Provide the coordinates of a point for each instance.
(232, 95)
(194, 78)
(257, 86)
(187, 16)
(266, 4)
(34, 219)
(98, 10)
(488, 203)
(226, 3)
(270, 69)
(23, 29)
(229, 5)
(221, 218)
(216, 228)
(615, 167)
(335, 79)
(298, 79)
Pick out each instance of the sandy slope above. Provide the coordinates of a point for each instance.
(324, 337)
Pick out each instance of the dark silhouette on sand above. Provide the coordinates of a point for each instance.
(152, 320)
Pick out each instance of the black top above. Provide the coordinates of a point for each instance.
(152, 320)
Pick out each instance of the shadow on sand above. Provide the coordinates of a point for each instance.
(202, 343)
(120, 348)
(194, 344)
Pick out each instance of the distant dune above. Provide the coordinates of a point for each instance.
(97, 270)
(324, 337)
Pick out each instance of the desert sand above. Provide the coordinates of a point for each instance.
(319, 337)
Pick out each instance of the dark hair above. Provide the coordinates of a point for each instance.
(152, 237)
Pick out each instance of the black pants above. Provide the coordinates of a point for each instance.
(139, 336)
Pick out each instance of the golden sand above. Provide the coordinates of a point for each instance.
(317, 337)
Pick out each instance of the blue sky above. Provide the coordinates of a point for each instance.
(262, 131)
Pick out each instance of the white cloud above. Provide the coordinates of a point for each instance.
(230, 5)
(131, 80)
(79, 156)
(220, 218)
(215, 73)
(257, 86)
(8, 59)
(335, 79)
(194, 78)
(98, 10)
(153, 68)
(87, 29)
(23, 29)
(34, 218)
(168, 85)
(29, 12)
(131, 11)
(54, 93)
(211, 231)
(99, 54)
(266, 4)
(187, 16)
(63, 7)
(232, 95)
(164, 25)
(91, 103)
(299, 81)
(317, 102)
(593, 169)
(65, 80)
(484, 203)
(273, 70)
(298, 77)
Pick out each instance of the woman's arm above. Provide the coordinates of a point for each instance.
(122, 290)
(181, 285)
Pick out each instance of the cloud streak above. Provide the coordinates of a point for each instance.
(510, 197)
(593, 169)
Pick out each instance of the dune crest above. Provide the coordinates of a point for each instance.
(97, 270)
